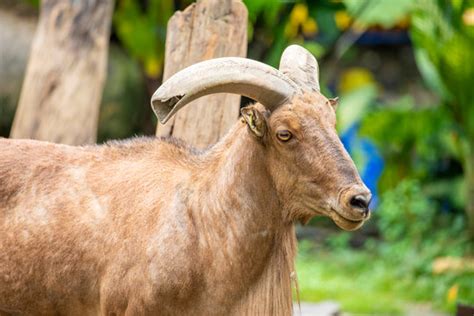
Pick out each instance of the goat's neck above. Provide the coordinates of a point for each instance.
(253, 247)
(247, 205)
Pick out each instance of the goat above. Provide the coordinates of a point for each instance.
(150, 226)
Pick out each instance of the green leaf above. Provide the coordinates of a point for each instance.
(315, 48)
(430, 73)
(379, 12)
(354, 105)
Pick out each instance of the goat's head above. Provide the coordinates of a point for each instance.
(311, 170)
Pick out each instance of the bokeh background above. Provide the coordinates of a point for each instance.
(404, 74)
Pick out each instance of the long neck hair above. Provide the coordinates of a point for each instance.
(271, 292)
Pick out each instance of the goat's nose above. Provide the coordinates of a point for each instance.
(361, 202)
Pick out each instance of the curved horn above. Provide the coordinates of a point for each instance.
(237, 75)
(301, 67)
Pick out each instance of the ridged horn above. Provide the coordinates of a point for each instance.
(301, 67)
(247, 77)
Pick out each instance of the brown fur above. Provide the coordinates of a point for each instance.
(149, 227)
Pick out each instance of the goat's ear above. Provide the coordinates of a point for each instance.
(255, 120)
(334, 102)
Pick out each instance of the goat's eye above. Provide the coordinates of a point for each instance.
(284, 135)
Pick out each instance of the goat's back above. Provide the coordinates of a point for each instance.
(75, 221)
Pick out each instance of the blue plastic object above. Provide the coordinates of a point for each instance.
(373, 163)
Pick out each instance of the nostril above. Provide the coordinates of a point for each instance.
(359, 201)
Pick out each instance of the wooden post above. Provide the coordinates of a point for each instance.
(205, 30)
(63, 85)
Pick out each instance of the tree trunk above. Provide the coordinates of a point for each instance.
(205, 30)
(66, 72)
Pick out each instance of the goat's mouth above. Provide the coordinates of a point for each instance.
(344, 222)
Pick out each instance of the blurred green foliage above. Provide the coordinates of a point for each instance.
(266, 11)
(406, 215)
(417, 142)
(392, 275)
(142, 31)
(443, 34)
(34, 3)
(358, 91)
(385, 13)
(407, 218)
(377, 280)
(446, 39)
(7, 114)
(121, 113)
(274, 24)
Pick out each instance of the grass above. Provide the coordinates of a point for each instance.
(366, 282)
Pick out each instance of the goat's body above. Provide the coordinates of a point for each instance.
(135, 228)
(151, 228)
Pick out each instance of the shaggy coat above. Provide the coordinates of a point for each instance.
(151, 227)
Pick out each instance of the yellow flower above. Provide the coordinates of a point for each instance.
(354, 78)
(468, 17)
(299, 14)
(152, 67)
(452, 293)
(310, 27)
(342, 19)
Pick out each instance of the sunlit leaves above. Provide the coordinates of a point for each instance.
(343, 19)
(358, 91)
(386, 13)
(446, 42)
(354, 105)
(143, 31)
